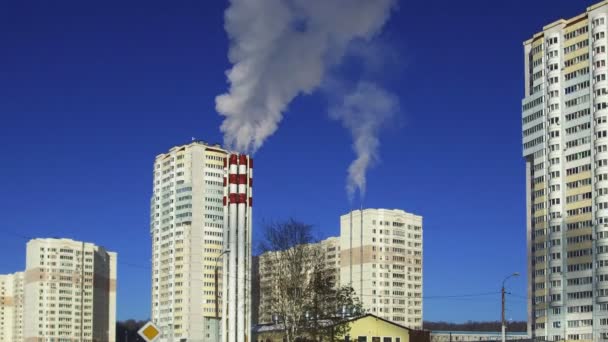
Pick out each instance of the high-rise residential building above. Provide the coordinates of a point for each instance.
(268, 274)
(200, 221)
(67, 293)
(381, 258)
(331, 253)
(11, 307)
(565, 146)
(379, 254)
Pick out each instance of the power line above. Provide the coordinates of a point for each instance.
(516, 295)
(18, 235)
(455, 296)
(464, 295)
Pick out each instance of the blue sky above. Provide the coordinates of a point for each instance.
(91, 92)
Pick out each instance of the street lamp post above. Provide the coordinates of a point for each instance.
(504, 327)
(217, 295)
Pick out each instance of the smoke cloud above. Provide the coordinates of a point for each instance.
(364, 111)
(282, 48)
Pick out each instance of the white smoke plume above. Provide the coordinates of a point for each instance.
(282, 48)
(364, 112)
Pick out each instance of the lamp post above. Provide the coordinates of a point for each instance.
(502, 318)
(217, 295)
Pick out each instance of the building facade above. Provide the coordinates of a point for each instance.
(565, 146)
(331, 253)
(477, 336)
(11, 307)
(67, 293)
(381, 258)
(328, 250)
(200, 221)
(379, 254)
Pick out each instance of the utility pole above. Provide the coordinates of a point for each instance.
(217, 295)
(502, 316)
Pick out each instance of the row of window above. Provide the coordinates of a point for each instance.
(576, 73)
(576, 46)
(575, 60)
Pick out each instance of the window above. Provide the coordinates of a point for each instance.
(362, 339)
(575, 33)
(576, 73)
(387, 339)
(576, 60)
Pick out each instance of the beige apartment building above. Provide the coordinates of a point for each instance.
(11, 307)
(328, 250)
(381, 258)
(67, 293)
(200, 221)
(379, 254)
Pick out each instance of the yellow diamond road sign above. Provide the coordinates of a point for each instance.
(149, 332)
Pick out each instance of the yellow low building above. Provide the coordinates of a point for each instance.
(367, 328)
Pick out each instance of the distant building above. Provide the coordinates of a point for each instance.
(11, 307)
(381, 258)
(476, 336)
(565, 146)
(379, 254)
(331, 251)
(67, 292)
(201, 207)
(268, 276)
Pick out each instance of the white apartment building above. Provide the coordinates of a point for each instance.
(379, 254)
(67, 293)
(381, 258)
(565, 146)
(329, 250)
(200, 220)
(11, 307)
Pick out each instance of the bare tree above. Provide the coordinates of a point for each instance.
(302, 292)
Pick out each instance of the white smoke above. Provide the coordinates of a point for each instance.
(282, 48)
(364, 112)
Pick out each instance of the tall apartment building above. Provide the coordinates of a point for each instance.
(267, 275)
(331, 253)
(379, 254)
(200, 220)
(381, 258)
(11, 307)
(67, 293)
(565, 146)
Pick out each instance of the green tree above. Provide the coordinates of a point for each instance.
(127, 330)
